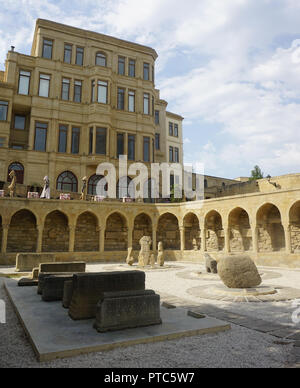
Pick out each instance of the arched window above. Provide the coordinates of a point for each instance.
(67, 181)
(19, 170)
(125, 188)
(93, 183)
(101, 59)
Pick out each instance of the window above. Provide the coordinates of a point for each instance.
(121, 66)
(63, 139)
(67, 181)
(120, 144)
(171, 154)
(171, 132)
(79, 56)
(131, 147)
(157, 141)
(3, 110)
(146, 149)
(68, 53)
(44, 85)
(131, 101)
(176, 155)
(93, 188)
(65, 89)
(20, 122)
(2, 142)
(17, 147)
(24, 82)
(131, 68)
(146, 103)
(102, 92)
(47, 48)
(101, 59)
(40, 137)
(157, 117)
(176, 130)
(77, 91)
(146, 71)
(75, 140)
(101, 141)
(19, 170)
(121, 99)
(91, 140)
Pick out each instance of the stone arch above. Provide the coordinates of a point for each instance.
(116, 233)
(56, 232)
(214, 232)
(294, 217)
(22, 233)
(168, 232)
(270, 229)
(192, 232)
(142, 227)
(240, 230)
(87, 233)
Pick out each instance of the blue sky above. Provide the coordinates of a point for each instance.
(230, 67)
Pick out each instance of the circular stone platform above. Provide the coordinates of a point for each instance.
(190, 275)
(257, 294)
(135, 267)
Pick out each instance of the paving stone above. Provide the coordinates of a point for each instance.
(295, 336)
(196, 315)
(267, 327)
(168, 305)
(297, 345)
(284, 333)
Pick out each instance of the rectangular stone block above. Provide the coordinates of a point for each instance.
(28, 261)
(127, 310)
(44, 275)
(73, 267)
(89, 287)
(53, 288)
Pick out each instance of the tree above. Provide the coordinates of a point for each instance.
(256, 173)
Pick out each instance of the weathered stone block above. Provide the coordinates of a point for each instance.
(44, 275)
(125, 310)
(72, 267)
(211, 264)
(53, 288)
(68, 292)
(28, 261)
(88, 289)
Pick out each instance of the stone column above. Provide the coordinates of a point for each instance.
(182, 238)
(154, 240)
(40, 229)
(227, 238)
(72, 229)
(5, 229)
(288, 242)
(130, 231)
(102, 238)
(254, 229)
(203, 239)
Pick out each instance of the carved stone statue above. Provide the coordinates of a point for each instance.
(152, 261)
(210, 264)
(12, 186)
(144, 256)
(195, 245)
(160, 256)
(46, 189)
(130, 259)
(84, 189)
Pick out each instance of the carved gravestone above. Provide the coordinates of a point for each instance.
(126, 310)
(88, 289)
(210, 264)
(144, 256)
(53, 287)
(160, 256)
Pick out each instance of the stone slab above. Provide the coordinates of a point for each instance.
(53, 289)
(73, 267)
(27, 282)
(29, 261)
(53, 334)
(295, 336)
(285, 333)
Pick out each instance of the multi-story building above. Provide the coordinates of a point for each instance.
(80, 99)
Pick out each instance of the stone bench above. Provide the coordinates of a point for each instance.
(29, 261)
(127, 310)
(53, 287)
(88, 290)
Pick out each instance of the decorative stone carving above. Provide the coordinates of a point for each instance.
(239, 271)
(152, 261)
(46, 190)
(144, 256)
(130, 258)
(84, 189)
(160, 256)
(12, 186)
(210, 264)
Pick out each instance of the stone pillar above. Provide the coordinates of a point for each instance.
(154, 239)
(254, 229)
(288, 242)
(102, 238)
(5, 229)
(130, 232)
(227, 238)
(39, 247)
(72, 229)
(203, 239)
(182, 238)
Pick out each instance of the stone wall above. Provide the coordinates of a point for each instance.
(168, 232)
(142, 227)
(116, 234)
(295, 237)
(192, 233)
(56, 233)
(22, 235)
(87, 234)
